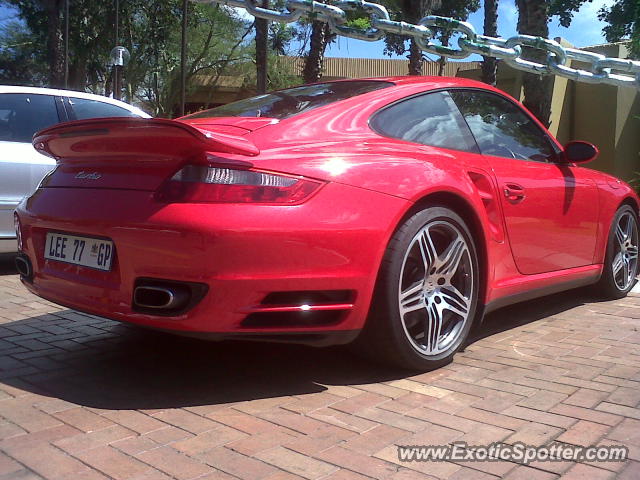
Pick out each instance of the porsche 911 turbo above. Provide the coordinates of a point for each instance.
(393, 212)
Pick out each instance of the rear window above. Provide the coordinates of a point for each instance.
(85, 108)
(286, 103)
(23, 114)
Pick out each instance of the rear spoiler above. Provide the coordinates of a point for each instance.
(125, 137)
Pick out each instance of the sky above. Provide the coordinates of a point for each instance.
(585, 30)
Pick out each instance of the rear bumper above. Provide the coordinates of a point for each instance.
(332, 243)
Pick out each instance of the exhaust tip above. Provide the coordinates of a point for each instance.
(23, 265)
(161, 298)
(166, 297)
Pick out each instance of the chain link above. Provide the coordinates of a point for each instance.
(578, 65)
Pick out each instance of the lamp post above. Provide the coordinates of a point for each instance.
(66, 44)
(183, 58)
(119, 58)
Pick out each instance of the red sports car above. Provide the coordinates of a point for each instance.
(396, 211)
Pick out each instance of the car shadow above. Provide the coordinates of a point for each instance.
(523, 313)
(98, 363)
(7, 265)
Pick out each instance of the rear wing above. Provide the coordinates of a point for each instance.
(124, 137)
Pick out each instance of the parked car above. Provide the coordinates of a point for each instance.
(24, 111)
(393, 211)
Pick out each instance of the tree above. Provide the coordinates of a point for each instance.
(321, 37)
(43, 17)
(458, 9)
(533, 19)
(21, 61)
(490, 64)
(262, 47)
(149, 29)
(217, 42)
(413, 11)
(623, 20)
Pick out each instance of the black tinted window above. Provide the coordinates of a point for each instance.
(285, 103)
(85, 108)
(501, 128)
(22, 115)
(430, 119)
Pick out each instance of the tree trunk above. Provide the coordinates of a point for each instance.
(55, 44)
(414, 10)
(262, 38)
(78, 74)
(321, 35)
(533, 19)
(415, 59)
(490, 64)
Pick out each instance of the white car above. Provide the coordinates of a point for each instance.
(24, 111)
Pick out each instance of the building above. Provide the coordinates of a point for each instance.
(206, 90)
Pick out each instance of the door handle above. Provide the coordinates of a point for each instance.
(514, 193)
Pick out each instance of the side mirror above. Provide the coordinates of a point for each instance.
(580, 152)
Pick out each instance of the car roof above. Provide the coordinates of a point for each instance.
(436, 82)
(72, 93)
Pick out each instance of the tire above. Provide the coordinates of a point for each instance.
(621, 257)
(426, 294)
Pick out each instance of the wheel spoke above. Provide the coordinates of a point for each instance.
(427, 250)
(625, 272)
(432, 329)
(412, 298)
(450, 260)
(620, 235)
(618, 263)
(628, 232)
(633, 252)
(454, 301)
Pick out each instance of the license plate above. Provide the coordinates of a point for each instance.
(85, 251)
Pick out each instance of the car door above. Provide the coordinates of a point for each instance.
(550, 208)
(21, 166)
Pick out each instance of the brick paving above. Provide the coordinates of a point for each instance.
(87, 398)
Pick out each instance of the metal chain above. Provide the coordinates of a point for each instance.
(594, 68)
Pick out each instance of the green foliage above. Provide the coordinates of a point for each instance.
(149, 29)
(564, 9)
(623, 20)
(458, 9)
(152, 33)
(21, 61)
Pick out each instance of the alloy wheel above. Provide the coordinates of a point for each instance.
(436, 288)
(625, 258)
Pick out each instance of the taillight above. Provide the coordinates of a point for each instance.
(202, 184)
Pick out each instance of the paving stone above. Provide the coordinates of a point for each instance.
(84, 398)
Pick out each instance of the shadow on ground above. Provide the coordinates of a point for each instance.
(7, 267)
(120, 367)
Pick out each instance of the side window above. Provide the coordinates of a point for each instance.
(501, 128)
(430, 119)
(84, 108)
(23, 114)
